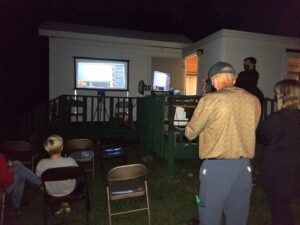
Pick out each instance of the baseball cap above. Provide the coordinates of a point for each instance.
(220, 67)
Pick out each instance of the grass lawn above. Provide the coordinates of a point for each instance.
(172, 199)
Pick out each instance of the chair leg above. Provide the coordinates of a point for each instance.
(87, 210)
(93, 168)
(148, 206)
(2, 209)
(102, 168)
(45, 214)
(108, 206)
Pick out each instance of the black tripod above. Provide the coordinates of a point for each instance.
(101, 108)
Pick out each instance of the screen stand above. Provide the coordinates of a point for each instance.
(100, 111)
(101, 93)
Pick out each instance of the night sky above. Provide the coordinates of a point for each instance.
(24, 54)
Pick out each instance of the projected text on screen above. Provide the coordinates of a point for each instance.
(101, 74)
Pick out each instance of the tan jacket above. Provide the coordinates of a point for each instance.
(226, 121)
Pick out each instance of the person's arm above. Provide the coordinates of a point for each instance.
(6, 176)
(38, 170)
(199, 119)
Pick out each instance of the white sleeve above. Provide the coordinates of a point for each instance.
(38, 170)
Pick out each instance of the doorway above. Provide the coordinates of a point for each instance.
(191, 74)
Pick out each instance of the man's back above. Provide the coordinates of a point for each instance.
(229, 131)
(247, 79)
(226, 121)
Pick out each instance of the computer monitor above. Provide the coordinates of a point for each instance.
(161, 81)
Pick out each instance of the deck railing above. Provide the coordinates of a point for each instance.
(88, 115)
(69, 112)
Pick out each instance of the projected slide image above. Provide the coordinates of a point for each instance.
(101, 74)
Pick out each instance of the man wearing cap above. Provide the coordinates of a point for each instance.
(225, 121)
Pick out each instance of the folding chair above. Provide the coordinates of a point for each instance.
(19, 150)
(112, 147)
(127, 182)
(82, 151)
(80, 192)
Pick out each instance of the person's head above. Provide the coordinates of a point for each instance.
(54, 144)
(222, 75)
(288, 94)
(249, 63)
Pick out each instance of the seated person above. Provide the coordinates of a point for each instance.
(13, 175)
(54, 146)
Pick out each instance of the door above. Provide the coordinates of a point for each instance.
(191, 73)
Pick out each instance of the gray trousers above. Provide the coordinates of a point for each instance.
(225, 187)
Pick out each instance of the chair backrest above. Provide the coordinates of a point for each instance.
(18, 150)
(62, 173)
(113, 141)
(78, 144)
(15, 146)
(127, 172)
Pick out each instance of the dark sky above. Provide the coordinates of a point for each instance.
(24, 54)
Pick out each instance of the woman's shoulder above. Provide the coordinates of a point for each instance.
(284, 115)
(287, 113)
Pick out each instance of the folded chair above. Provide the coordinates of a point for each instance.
(80, 193)
(127, 182)
(82, 150)
(19, 150)
(112, 147)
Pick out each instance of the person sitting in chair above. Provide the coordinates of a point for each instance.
(13, 175)
(54, 146)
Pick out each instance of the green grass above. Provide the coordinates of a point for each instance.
(171, 198)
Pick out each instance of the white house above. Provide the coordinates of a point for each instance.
(145, 51)
(187, 62)
(277, 57)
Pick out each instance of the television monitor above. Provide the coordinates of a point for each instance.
(161, 81)
(101, 74)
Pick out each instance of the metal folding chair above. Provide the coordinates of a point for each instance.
(127, 182)
(80, 193)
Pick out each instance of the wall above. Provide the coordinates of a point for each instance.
(233, 46)
(61, 65)
(269, 50)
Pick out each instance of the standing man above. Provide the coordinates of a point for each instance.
(248, 78)
(225, 121)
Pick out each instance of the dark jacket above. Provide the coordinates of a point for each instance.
(248, 80)
(280, 135)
